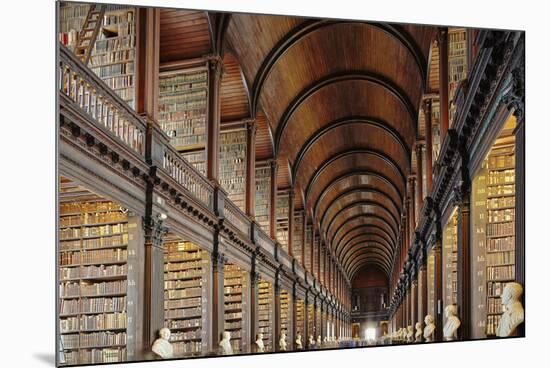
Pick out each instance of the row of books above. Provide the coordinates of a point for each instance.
(492, 324)
(185, 126)
(187, 348)
(192, 291)
(495, 203)
(232, 325)
(501, 190)
(106, 355)
(180, 284)
(103, 242)
(197, 159)
(181, 256)
(198, 137)
(500, 229)
(501, 215)
(182, 274)
(102, 339)
(171, 82)
(497, 162)
(113, 57)
(92, 271)
(499, 258)
(184, 87)
(103, 321)
(183, 313)
(183, 323)
(174, 116)
(182, 303)
(188, 335)
(501, 244)
(501, 272)
(494, 306)
(502, 177)
(106, 71)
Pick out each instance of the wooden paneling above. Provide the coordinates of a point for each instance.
(234, 96)
(433, 69)
(184, 34)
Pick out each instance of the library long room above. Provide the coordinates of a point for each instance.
(232, 183)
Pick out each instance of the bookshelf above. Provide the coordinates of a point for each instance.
(300, 319)
(285, 307)
(307, 250)
(318, 320)
(182, 104)
(234, 305)
(310, 321)
(263, 187)
(458, 65)
(282, 219)
(297, 238)
(450, 254)
(71, 19)
(430, 275)
(114, 52)
(93, 254)
(233, 165)
(316, 257)
(265, 312)
(186, 269)
(436, 130)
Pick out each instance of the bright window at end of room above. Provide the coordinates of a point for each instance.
(371, 333)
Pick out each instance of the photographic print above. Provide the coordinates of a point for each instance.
(233, 183)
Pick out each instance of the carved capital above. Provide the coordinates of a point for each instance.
(514, 95)
(251, 126)
(154, 231)
(215, 64)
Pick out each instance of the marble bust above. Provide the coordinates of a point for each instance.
(162, 346)
(513, 314)
(418, 334)
(429, 330)
(410, 334)
(225, 344)
(282, 342)
(260, 348)
(299, 341)
(311, 342)
(452, 324)
(319, 341)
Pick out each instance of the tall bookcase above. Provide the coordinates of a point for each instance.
(311, 321)
(265, 312)
(493, 232)
(233, 165)
(71, 18)
(282, 219)
(285, 307)
(307, 245)
(297, 237)
(263, 188)
(113, 55)
(316, 256)
(436, 130)
(183, 97)
(186, 269)
(430, 270)
(299, 328)
(318, 319)
(235, 290)
(93, 255)
(450, 254)
(458, 65)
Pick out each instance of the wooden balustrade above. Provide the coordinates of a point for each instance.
(236, 217)
(185, 174)
(100, 102)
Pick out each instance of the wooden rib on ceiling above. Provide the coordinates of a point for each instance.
(184, 34)
(264, 146)
(433, 69)
(234, 96)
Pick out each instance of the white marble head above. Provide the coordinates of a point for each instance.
(512, 292)
(418, 325)
(164, 333)
(226, 335)
(450, 310)
(259, 336)
(428, 319)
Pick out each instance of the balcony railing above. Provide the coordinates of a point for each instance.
(236, 217)
(99, 102)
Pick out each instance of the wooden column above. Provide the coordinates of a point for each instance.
(438, 288)
(443, 80)
(250, 189)
(254, 280)
(423, 291)
(277, 314)
(412, 209)
(273, 201)
(215, 67)
(304, 229)
(427, 109)
(312, 252)
(290, 240)
(147, 62)
(217, 298)
(464, 265)
(319, 260)
(419, 180)
(414, 302)
(306, 332)
(520, 210)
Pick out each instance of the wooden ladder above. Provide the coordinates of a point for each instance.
(89, 32)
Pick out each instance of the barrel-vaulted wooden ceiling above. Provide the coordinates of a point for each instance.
(337, 106)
